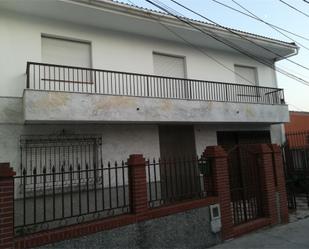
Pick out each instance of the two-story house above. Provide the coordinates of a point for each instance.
(80, 75)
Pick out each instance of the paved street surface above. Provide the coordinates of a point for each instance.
(289, 236)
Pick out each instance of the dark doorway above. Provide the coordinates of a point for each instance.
(176, 141)
(228, 139)
(245, 186)
(177, 145)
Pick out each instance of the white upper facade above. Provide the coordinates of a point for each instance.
(111, 36)
(105, 35)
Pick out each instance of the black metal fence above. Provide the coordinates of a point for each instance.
(69, 195)
(48, 151)
(245, 186)
(296, 160)
(52, 77)
(174, 180)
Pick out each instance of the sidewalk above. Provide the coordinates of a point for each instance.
(289, 236)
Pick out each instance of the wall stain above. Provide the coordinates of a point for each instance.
(166, 105)
(52, 100)
(250, 112)
(108, 103)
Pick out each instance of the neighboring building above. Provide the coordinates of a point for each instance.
(297, 130)
(83, 75)
(299, 122)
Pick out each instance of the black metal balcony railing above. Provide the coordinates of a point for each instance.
(52, 77)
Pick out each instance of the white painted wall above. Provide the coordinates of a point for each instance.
(21, 42)
(118, 141)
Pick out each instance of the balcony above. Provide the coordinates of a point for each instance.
(65, 93)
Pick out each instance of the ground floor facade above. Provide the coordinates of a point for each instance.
(117, 141)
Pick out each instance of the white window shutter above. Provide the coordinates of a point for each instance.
(169, 66)
(245, 75)
(66, 52)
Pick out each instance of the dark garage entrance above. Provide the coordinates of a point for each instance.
(244, 173)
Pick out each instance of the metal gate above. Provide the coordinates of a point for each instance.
(245, 186)
(295, 154)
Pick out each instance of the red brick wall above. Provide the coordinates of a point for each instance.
(6, 206)
(221, 186)
(137, 183)
(280, 178)
(268, 158)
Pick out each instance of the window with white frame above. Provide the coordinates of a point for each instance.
(246, 75)
(71, 65)
(173, 67)
(66, 52)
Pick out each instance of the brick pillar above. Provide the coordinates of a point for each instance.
(137, 183)
(265, 161)
(279, 171)
(221, 186)
(6, 206)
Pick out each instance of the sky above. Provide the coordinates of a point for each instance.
(272, 11)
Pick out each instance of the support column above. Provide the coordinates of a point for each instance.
(280, 180)
(268, 188)
(221, 186)
(6, 206)
(137, 183)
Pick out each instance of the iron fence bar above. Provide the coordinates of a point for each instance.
(71, 189)
(116, 183)
(109, 184)
(123, 184)
(149, 180)
(102, 185)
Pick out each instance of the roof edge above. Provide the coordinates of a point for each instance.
(146, 13)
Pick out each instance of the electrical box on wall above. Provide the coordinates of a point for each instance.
(215, 217)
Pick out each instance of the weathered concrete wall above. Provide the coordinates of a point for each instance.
(11, 110)
(190, 229)
(44, 106)
(277, 133)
